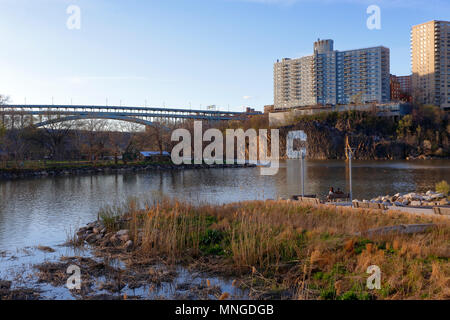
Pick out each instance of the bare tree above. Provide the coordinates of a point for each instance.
(121, 138)
(132, 132)
(57, 133)
(3, 99)
(157, 136)
(96, 138)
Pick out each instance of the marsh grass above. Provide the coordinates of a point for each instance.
(282, 246)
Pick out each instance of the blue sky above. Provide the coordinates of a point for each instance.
(179, 53)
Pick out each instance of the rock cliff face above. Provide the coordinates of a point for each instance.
(328, 142)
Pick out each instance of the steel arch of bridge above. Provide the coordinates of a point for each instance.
(96, 116)
(140, 115)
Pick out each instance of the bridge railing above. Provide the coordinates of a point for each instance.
(80, 108)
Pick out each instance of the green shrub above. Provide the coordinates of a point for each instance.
(349, 295)
(328, 294)
(443, 187)
(210, 242)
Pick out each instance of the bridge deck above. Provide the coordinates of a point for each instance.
(133, 114)
(126, 109)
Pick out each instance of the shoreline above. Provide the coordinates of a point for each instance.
(160, 259)
(267, 274)
(15, 174)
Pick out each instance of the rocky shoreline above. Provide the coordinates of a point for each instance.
(412, 199)
(95, 233)
(12, 174)
(139, 272)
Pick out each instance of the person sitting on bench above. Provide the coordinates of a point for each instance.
(331, 193)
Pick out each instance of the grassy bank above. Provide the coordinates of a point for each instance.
(280, 248)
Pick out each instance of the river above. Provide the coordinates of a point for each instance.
(45, 211)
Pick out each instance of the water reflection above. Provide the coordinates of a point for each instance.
(45, 210)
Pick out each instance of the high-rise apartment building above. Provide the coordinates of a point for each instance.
(330, 77)
(395, 88)
(401, 88)
(405, 84)
(294, 82)
(430, 62)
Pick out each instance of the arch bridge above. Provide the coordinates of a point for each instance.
(42, 115)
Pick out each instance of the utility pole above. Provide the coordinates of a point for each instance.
(350, 174)
(303, 155)
(349, 153)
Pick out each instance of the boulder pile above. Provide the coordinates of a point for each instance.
(413, 199)
(95, 233)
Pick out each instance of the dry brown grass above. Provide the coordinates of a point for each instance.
(308, 252)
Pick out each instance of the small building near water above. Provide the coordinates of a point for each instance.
(154, 155)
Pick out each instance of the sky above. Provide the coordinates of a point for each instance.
(184, 53)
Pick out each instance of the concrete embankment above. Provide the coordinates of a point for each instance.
(356, 205)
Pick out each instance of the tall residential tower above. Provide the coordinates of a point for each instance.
(330, 77)
(430, 58)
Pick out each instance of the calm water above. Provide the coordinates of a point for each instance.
(44, 211)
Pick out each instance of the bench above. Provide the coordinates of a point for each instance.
(310, 200)
(338, 196)
(442, 210)
(369, 205)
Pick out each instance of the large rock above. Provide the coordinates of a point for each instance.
(129, 245)
(5, 284)
(122, 232)
(124, 238)
(115, 240)
(91, 238)
(437, 196)
(399, 229)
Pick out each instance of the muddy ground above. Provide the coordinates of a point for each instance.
(124, 276)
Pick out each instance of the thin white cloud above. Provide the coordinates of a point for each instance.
(246, 97)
